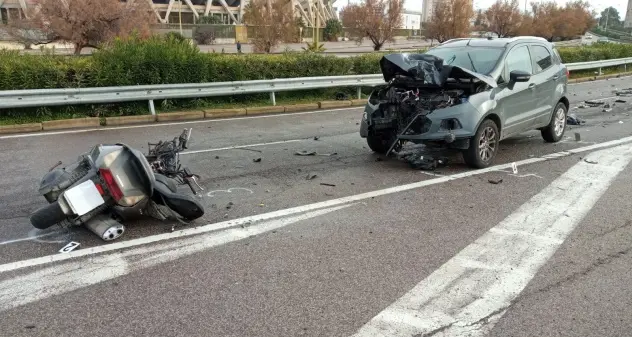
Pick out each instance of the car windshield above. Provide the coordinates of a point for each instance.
(476, 59)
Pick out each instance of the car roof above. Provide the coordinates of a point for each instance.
(490, 42)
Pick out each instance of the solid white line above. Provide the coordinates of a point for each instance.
(243, 146)
(215, 120)
(59, 279)
(286, 212)
(295, 210)
(469, 293)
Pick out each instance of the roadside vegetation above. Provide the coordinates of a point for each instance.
(168, 59)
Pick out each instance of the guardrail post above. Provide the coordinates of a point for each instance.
(600, 73)
(152, 109)
(359, 92)
(273, 98)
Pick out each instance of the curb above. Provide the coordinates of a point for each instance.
(179, 116)
(129, 120)
(61, 124)
(301, 107)
(20, 128)
(265, 110)
(222, 113)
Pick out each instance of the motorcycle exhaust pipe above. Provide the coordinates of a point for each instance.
(106, 228)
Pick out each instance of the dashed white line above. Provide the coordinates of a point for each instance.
(470, 292)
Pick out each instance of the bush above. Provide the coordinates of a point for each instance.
(333, 30)
(170, 59)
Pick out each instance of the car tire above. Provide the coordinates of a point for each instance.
(380, 142)
(483, 146)
(554, 132)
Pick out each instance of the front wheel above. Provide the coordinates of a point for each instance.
(382, 141)
(48, 216)
(554, 132)
(483, 146)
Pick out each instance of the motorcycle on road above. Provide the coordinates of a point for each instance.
(114, 183)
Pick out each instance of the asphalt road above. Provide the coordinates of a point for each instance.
(388, 248)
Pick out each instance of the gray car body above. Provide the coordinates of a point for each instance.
(515, 107)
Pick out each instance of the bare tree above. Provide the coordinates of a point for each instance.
(29, 33)
(373, 19)
(90, 23)
(450, 20)
(504, 17)
(274, 23)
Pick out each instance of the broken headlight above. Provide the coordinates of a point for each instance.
(450, 124)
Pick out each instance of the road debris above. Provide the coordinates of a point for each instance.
(230, 205)
(257, 160)
(593, 103)
(607, 110)
(620, 122)
(69, 247)
(590, 161)
(426, 162)
(624, 92)
(311, 176)
(578, 137)
(514, 168)
(495, 181)
(572, 119)
(620, 101)
(316, 138)
(314, 153)
(326, 184)
(247, 149)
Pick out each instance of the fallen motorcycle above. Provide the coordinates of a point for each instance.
(114, 183)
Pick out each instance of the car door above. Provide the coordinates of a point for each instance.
(517, 99)
(545, 77)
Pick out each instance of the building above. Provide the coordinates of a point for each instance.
(627, 23)
(411, 20)
(170, 11)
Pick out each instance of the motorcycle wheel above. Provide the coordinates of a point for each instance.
(48, 216)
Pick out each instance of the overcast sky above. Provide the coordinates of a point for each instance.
(597, 5)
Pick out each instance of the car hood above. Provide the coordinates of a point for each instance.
(427, 68)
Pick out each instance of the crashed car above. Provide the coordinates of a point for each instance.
(468, 94)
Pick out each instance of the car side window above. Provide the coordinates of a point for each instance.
(519, 58)
(542, 57)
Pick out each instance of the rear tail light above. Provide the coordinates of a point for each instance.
(100, 189)
(110, 182)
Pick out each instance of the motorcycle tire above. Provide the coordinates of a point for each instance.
(48, 216)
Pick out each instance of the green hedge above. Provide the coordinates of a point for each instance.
(168, 59)
(163, 60)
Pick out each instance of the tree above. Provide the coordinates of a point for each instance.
(333, 29)
(28, 33)
(373, 19)
(504, 17)
(450, 20)
(611, 16)
(480, 22)
(274, 23)
(90, 23)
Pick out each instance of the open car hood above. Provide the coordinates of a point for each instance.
(427, 68)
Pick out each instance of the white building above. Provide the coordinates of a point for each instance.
(411, 20)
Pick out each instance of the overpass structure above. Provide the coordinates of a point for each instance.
(189, 11)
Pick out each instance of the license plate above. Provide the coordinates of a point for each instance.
(84, 197)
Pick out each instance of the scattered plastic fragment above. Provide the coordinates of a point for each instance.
(620, 122)
(311, 176)
(572, 119)
(593, 103)
(257, 160)
(69, 247)
(326, 184)
(578, 137)
(514, 168)
(495, 182)
(620, 101)
(316, 138)
(590, 161)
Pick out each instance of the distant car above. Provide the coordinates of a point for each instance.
(468, 94)
(588, 37)
(603, 39)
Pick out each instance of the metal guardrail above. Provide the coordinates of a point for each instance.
(70, 96)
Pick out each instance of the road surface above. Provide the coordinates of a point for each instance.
(386, 251)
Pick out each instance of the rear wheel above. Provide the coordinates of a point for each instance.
(554, 132)
(48, 216)
(483, 146)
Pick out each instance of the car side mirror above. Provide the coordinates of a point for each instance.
(519, 76)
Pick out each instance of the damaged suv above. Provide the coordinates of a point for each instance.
(468, 94)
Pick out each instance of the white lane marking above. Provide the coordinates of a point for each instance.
(470, 292)
(215, 120)
(243, 146)
(73, 275)
(288, 211)
(34, 236)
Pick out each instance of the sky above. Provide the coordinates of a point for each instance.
(597, 5)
